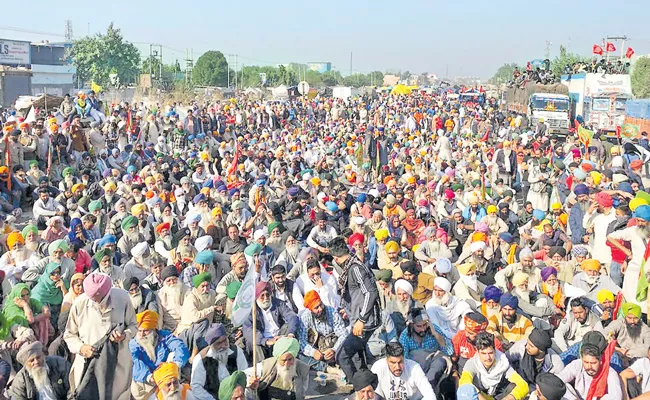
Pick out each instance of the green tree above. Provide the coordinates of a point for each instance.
(565, 58)
(640, 78)
(331, 78)
(211, 69)
(376, 78)
(503, 74)
(97, 57)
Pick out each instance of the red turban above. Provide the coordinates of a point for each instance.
(604, 199)
(636, 164)
(262, 287)
(311, 299)
(449, 194)
(587, 167)
(475, 322)
(162, 227)
(355, 238)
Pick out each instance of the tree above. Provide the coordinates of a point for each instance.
(640, 78)
(565, 58)
(503, 74)
(211, 69)
(376, 78)
(331, 78)
(97, 57)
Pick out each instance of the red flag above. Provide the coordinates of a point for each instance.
(610, 47)
(486, 135)
(629, 53)
(598, 387)
(598, 50)
(233, 165)
(618, 131)
(618, 301)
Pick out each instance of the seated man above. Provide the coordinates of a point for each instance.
(364, 384)
(604, 307)
(548, 387)
(323, 337)
(398, 308)
(171, 298)
(533, 356)
(141, 298)
(203, 262)
(317, 279)
(400, 378)
(504, 277)
(214, 363)
(631, 334)
(508, 326)
(274, 320)
(490, 372)
(445, 310)
(281, 376)
(239, 270)
(636, 379)
(465, 340)
(149, 348)
(580, 373)
(233, 387)
(167, 378)
(532, 303)
(42, 377)
(282, 287)
(592, 281)
(199, 303)
(572, 328)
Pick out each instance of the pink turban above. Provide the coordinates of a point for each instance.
(97, 285)
(481, 227)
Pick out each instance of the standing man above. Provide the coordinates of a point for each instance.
(360, 296)
(101, 320)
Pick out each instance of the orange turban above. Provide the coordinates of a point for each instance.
(475, 322)
(165, 372)
(13, 238)
(311, 299)
(479, 237)
(590, 264)
(162, 227)
(147, 320)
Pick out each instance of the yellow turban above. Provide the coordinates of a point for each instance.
(466, 268)
(605, 295)
(147, 320)
(519, 279)
(590, 264)
(596, 177)
(77, 186)
(165, 372)
(216, 211)
(491, 209)
(556, 206)
(138, 209)
(637, 201)
(13, 238)
(110, 186)
(381, 234)
(392, 246)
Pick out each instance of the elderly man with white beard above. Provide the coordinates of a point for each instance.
(592, 281)
(203, 262)
(167, 378)
(17, 259)
(398, 308)
(141, 298)
(290, 253)
(192, 220)
(164, 244)
(532, 303)
(431, 250)
(56, 251)
(526, 265)
(215, 362)
(144, 226)
(171, 298)
(131, 235)
(468, 287)
(199, 304)
(138, 265)
(445, 310)
(184, 249)
(281, 376)
(150, 348)
(485, 269)
(42, 377)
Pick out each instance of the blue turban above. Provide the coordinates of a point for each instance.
(509, 300)
(107, 239)
(331, 206)
(539, 214)
(221, 188)
(580, 174)
(232, 192)
(579, 251)
(642, 212)
(204, 257)
(507, 237)
(292, 191)
(260, 182)
(198, 197)
(625, 187)
(492, 293)
(362, 198)
(581, 189)
(467, 392)
(209, 184)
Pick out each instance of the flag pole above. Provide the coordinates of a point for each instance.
(257, 271)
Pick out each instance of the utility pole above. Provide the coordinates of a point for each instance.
(350, 63)
(189, 64)
(547, 51)
(235, 71)
(68, 30)
(608, 38)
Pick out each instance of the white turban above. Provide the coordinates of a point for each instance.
(442, 283)
(139, 249)
(443, 265)
(526, 252)
(203, 243)
(192, 217)
(617, 162)
(359, 220)
(260, 233)
(403, 285)
(476, 246)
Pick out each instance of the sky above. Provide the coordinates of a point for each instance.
(463, 37)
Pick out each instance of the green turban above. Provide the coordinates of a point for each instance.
(200, 278)
(227, 386)
(559, 164)
(56, 245)
(101, 253)
(457, 186)
(385, 275)
(94, 205)
(252, 249)
(232, 289)
(631, 308)
(476, 182)
(129, 222)
(274, 225)
(286, 345)
(33, 163)
(67, 171)
(29, 228)
(543, 160)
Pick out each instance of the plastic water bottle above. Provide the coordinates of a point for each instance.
(322, 379)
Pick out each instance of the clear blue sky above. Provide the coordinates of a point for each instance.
(471, 37)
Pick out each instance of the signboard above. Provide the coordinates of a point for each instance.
(14, 53)
(629, 131)
(608, 83)
(303, 88)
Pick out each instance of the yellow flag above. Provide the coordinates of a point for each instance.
(95, 87)
(585, 135)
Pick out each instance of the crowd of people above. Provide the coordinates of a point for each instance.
(401, 247)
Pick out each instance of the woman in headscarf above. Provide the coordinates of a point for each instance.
(50, 290)
(76, 289)
(20, 309)
(55, 230)
(396, 230)
(77, 231)
(413, 227)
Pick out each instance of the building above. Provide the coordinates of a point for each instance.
(52, 72)
(320, 67)
(391, 80)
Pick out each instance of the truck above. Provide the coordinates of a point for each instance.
(549, 103)
(599, 99)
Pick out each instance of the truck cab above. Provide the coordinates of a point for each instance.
(605, 111)
(552, 108)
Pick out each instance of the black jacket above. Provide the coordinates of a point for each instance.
(23, 387)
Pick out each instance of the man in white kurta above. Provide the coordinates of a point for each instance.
(93, 315)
